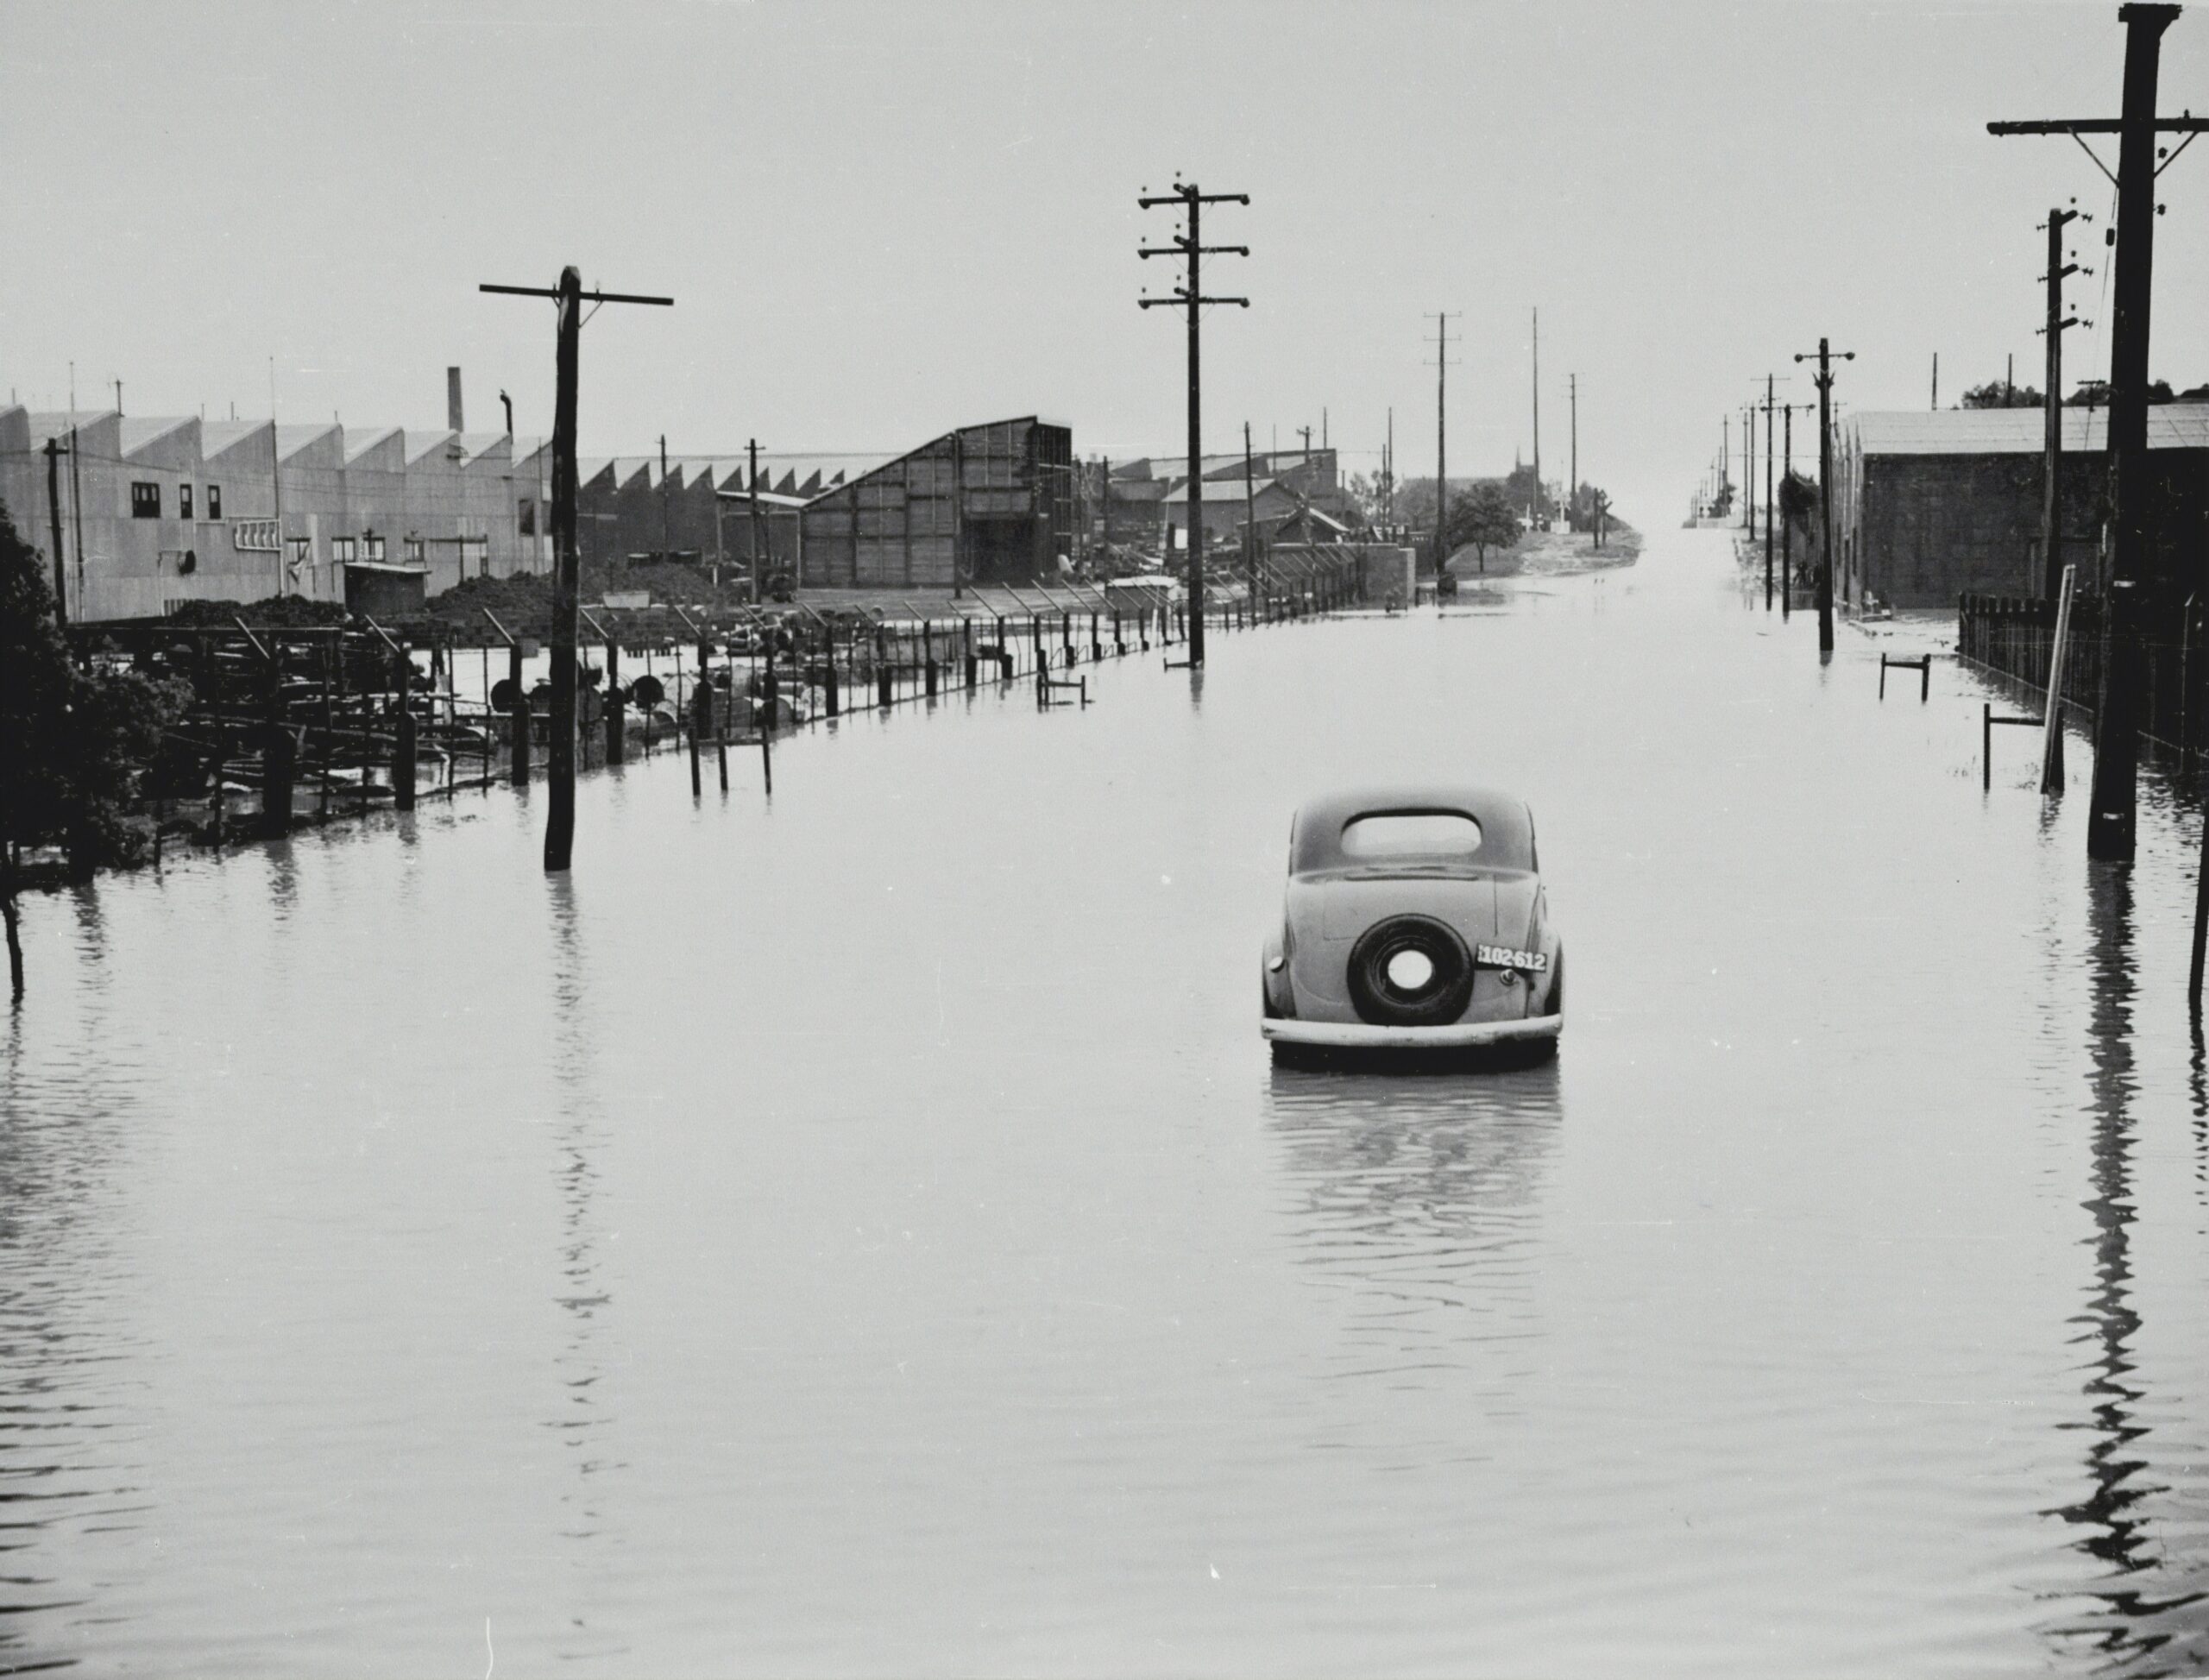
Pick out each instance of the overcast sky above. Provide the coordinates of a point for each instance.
(880, 222)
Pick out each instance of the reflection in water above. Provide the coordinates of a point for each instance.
(63, 1439)
(582, 1419)
(1422, 1192)
(2129, 1624)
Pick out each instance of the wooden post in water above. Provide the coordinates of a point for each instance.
(279, 756)
(767, 730)
(403, 734)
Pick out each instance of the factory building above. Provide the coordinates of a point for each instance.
(159, 510)
(1929, 505)
(984, 504)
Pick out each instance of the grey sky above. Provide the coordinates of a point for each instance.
(881, 221)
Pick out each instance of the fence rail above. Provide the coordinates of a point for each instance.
(2012, 636)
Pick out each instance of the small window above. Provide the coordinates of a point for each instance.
(1411, 834)
(342, 551)
(372, 549)
(528, 516)
(414, 554)
(302, 556)
(184, 502)
(145, 501)
(214, 501)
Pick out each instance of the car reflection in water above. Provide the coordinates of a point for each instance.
(1419, 1197)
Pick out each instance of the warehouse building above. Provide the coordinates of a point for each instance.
(160, 509)
(1935, 503)
(981, 505)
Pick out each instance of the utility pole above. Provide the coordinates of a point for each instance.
(1249, 515)
(1388, 470)
(1538, 415)
(2112, 820)
(560, 758)
(1825, 360)
(1572, 490)
(759, 548)
(1749, 467)
(1191, 297)
(1936, 380)
(1725, 453)
(666, 519)
(2051, 494)
(1441, 440)
(1768, 382)
(54, 521)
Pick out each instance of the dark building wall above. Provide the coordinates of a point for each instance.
(1920, 531)
(984, 504)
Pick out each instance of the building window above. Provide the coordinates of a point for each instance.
(184, 502)
(528, 516)
(145, 501)
(340, 551)
(414, 556)
(214, 501)
(302, 557)
(372, 549)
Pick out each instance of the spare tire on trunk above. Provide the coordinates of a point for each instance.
(1387, 993)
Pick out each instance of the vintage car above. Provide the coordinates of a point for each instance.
(1414, 921)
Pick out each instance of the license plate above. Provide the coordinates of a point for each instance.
(1502, 956)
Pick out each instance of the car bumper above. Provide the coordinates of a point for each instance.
(1360, 1036)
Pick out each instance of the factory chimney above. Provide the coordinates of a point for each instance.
(452, 400)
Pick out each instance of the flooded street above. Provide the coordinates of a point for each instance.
(866, 1234)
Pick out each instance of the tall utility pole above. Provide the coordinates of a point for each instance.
(53, 520)
(1768, 383)
(1389, 470)
(1191, 297)
(1249, 514)
(1537, 414)
(1787, 526)
(2112, 820)
(1442, 319)
(1936, 380)
(666, 514)
(567, 565)
(759, 549)
(2051, 489)
(1748, 467)
(1725, 453)
(1572, 489)
(1825, 359)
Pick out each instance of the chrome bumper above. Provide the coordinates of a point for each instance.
(1361, 1036)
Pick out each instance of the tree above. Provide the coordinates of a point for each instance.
(1996, 394)
(70, 740)
(1480, 519)
(2095, 394)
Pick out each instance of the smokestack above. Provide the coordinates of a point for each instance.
(452, 399)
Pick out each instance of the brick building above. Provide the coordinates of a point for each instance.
(1932, 504)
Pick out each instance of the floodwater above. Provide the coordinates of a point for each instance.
(864, 1234)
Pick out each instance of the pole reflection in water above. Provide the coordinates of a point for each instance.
(1420, 1195)
(581, 1419)
(68, 1447)
(2135, 1614)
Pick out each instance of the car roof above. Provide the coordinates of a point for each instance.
(1507, 825)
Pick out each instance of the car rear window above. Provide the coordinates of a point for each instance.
(1386, 835)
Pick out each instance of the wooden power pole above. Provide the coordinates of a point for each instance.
(567, 563)
(2051, 489)
(1441, 440)
(1191, 296)
(2111, 821)
(1825, 359)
